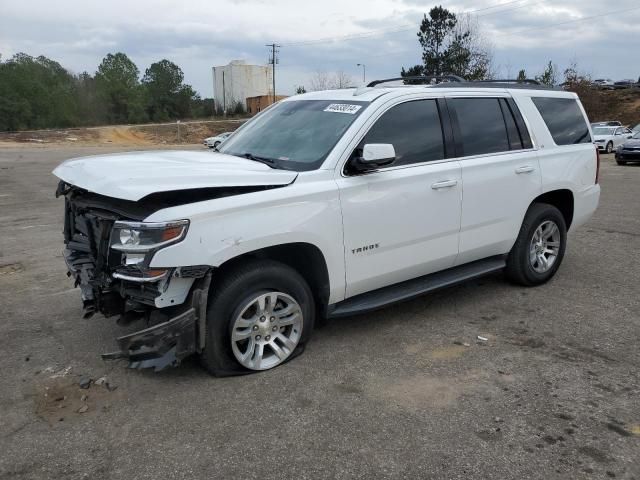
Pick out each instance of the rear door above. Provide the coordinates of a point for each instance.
(402, 221)
(500, 173)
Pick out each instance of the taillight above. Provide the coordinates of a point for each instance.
(597, 165)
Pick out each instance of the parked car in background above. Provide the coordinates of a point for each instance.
(609, 123)
(629, 151)
(626, 83)
(603, 83)
(213, 142)
(607, 139)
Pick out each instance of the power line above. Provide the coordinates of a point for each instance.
(542, 27)
(399, 28)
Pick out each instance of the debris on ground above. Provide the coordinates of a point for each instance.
(101, 380)
(85, 382)
(83, 409)
(482, 339)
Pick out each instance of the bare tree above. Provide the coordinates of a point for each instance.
(341, 80)
(321, 80)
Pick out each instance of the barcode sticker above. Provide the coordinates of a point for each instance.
(343, 108)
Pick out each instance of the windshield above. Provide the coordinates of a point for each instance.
(294, 135)
(603, 131)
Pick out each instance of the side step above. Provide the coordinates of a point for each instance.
(400, 292)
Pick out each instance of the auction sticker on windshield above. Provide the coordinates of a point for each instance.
(343, 108)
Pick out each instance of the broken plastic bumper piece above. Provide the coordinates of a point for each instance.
(160, 346)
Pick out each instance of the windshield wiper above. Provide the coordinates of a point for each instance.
(266, 160)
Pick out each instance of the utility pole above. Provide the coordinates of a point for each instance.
(273, 59)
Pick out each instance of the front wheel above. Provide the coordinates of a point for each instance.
(540, 246)
(215, 145)
(609, 147)
(260, 315)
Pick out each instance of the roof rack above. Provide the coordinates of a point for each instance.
(420, 78)
(445, 81)
(529, 81)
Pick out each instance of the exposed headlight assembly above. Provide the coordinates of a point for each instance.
(142, 237)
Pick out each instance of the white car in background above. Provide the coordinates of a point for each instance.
(213, 142)
(607, 139)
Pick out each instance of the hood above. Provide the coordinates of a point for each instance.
(134, 175)
(633, 143)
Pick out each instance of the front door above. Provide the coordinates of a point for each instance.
(402, 221)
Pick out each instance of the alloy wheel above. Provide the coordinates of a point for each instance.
(544, 247)
(266, 331)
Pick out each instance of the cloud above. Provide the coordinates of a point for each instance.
(198, 34)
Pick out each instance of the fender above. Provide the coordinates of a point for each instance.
(307, 211)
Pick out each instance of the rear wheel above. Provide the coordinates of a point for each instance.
(260, 315)
(621, 162)
(540, 246)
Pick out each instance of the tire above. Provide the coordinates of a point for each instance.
(621, 162)
(525, 265)
(609, 147)
(215, 145)
(236, 293)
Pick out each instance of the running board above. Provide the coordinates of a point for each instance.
(409, 289)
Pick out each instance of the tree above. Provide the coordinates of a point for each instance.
(549, 76)
(166, 96)
(36, 93)
(323, 81)
(300, 90)
(451, 45)
(117, 85)
(522, 75)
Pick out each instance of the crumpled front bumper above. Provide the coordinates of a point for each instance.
(160, 346)
(168, 343)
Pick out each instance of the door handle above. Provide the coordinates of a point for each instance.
(524, 169)
(444, 184)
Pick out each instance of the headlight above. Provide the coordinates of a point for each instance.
(138, 237)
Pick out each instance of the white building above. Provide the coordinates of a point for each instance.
(235, 82)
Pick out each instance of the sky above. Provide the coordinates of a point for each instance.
(326, 36)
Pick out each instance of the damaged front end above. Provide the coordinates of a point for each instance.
(108, 253)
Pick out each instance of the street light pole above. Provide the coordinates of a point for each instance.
(364, 72)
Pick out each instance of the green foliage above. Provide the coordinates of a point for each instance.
(40, 93)
(549, 76)
(118, 87)
(450, 45)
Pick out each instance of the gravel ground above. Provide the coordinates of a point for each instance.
(553, 393)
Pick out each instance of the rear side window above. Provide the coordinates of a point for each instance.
(482, 126)
(413, 128)
(564, 120)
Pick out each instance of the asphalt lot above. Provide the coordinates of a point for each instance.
(553, 393)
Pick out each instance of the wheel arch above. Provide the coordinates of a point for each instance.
(307, 259)
(562, 199)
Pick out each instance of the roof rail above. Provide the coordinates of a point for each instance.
(530, 81)
(420, 78)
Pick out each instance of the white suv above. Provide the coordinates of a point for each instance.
(326, 204)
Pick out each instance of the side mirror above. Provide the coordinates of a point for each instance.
(374, 155)
(629, 136)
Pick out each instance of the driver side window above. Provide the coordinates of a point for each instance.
(414, 130)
